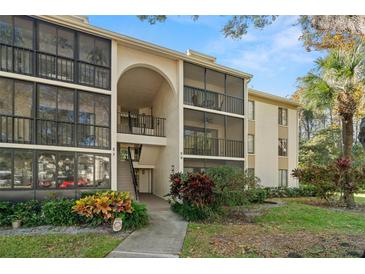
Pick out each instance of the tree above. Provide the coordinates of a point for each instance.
(340, 78)
(331, 31)
(318, 31)
(236, 26)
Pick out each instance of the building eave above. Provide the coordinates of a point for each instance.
(271, 97)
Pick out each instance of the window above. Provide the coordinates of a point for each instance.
(56, 115)
(56, 52)
(54, 170)
(234, 86)
(94, 61)
(93, 120)
(283, 178)
(251, 144)
(18, 32)
(6, 168)
(23, 169)
(16, 111)
(251, 110)
(23, 40)
(102, 171)
(85, 170)
(47, 170)
(16, 169)
(6, 29)
(283, 147)
(66, 170)
(283, 116)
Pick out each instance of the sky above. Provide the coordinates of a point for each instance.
(274, 55)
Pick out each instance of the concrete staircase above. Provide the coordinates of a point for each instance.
(125, 181)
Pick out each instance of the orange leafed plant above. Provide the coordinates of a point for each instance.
(104, 205)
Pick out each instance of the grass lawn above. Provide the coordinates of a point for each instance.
(360, 199)
(84, 245)
(291, 230)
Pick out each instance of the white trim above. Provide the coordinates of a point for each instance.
(245, 124)
(180, 89)
(214, 111)
(55, 148)
(141, 139)
(53, 82)
(212, 157)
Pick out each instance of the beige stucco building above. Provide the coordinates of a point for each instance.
(93, 109)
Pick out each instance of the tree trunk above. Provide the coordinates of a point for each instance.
(348, 138)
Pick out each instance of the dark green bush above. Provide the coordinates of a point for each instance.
(286, 192)
(59, 212)
(6, 212)
(193, 213)
(137, 219)
(256, 195)
(29, 212)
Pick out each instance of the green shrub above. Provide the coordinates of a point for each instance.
(6, 211)
(285, 192)
(59, 212)
(193, 213)
(256, 195)
(137, 219)
(29, 212)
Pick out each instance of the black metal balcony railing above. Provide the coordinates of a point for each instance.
(140, 124)
(16, 59)
(55, 67)
(212, 100)
(15, 129)
(199, 145)
(50, 66)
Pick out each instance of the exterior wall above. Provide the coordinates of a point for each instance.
(293, 145)
(129, 58)
(166, 105)
(266, 143)
(267, 131)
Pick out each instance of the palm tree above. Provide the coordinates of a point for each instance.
(338, 82)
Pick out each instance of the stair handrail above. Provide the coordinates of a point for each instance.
(134, 179)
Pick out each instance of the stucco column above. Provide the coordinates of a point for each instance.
(180, 93)
(245, 122)
(114, 94)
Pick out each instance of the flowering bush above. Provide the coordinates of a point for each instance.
(194, 188)
(104, 207)
(192, 195)
(341, 176)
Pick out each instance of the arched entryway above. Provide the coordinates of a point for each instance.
(147, 107)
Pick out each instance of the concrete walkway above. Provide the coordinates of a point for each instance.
(162, 238)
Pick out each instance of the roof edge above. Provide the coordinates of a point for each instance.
(272, 97)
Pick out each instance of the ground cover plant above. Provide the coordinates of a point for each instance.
(99, 208)
(85, 245)
(290, 229)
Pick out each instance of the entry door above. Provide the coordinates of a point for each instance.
(145, 180)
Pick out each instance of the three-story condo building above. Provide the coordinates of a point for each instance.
(83, 108)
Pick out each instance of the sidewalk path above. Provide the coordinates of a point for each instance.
(162, 238)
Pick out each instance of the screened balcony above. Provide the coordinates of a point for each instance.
(211, 89)
(209, 134)
(207, 146)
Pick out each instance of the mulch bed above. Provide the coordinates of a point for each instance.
(251, 239)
